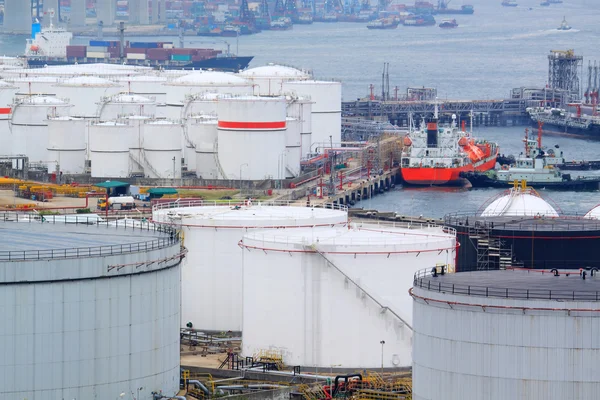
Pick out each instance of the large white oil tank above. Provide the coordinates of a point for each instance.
(326, 109)
(252, 137)
(347, 288)
(519, 202)
(204, 103)
(29, 85)
(147, 85)
(88, 312)
(301, 109)
(136, 154)
(200, 136)
(67, 144)
(109, 149)
(29, 125)
(85, 92)
(202, 81)
(7, 94)
(161, 142)
(123, 104)
(268, 79)
(212, 278)
(594, 213)
(505, 334)
(293, 147)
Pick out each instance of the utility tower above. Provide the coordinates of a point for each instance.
(279, 9)
(246, 15)
(563, 71)
(290, 8)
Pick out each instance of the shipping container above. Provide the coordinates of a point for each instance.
(184, 51)
(100, 43)
(76, 51)
(98, 49)
(130, 50)
(144, 45)
(181, 57)
(159, 54)
(93, 54)
(168, 46)
(136, 56)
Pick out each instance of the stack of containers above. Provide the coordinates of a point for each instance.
(76, 51)
(135, 53)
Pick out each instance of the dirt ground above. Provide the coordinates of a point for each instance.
(8, 199)
(188, 359)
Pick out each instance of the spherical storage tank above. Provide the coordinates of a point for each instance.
(161, 142)
(109, 148)
(202, 81)
(326, 109)
(268, 79)
(594, 213)
(123, 104)
(29, 125)
(85, 92)
(252, 137)
(347, 289)
(506, 334)
(67, 143)
(212, 276)
(80, 323)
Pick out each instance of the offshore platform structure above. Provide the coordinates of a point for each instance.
(563, 73)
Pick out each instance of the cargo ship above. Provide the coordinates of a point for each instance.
(442, 8)
(419, 20)
(564, 122)
(52, 46)
(448, 23)
(509, 3)
(383, 23)
(436, 155)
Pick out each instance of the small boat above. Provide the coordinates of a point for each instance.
(419, 20)
(448, 23)
(545, 3)
(564, 26)
(303, 19)
(510, 3)
(383, 23)
(281, 24)
(555, 1)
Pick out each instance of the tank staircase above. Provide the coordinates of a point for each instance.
(492, 253)
(364, 292)
(217, 162)
(145, 164)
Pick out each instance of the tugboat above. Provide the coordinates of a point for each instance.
(383, 23)
(564, 26)
(448, 23)
(436, 155)
(509, 3)
(536, 167)
(281, 24)
(419, 20)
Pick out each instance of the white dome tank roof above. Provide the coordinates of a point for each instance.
(210, 78)
(519, 204)
(88, 81)
(273, 71)
(43, 100)
(252, 216)
(594, 213)
(142, 78)
(162, 122)
(110, 123)
(130, 98)
(42, 79)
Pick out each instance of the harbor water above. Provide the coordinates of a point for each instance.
(496, 49)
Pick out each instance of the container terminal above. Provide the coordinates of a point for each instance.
(189, 195)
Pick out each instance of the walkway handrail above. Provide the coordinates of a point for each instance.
(316, 250)
(233, 203)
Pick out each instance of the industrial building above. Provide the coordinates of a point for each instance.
(520, 229)
(513, 334)
(90, 311)
(347, 289)
(212, 235)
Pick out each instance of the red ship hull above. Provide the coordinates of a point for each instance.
(444, 176)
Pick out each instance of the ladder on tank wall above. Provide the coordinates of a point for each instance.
(143, 162)
(217, 162)
(480, 237)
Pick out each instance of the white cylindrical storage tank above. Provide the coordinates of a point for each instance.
(505, 334)
(268, 80)
(202, 81)
(30, 85)
(29, 125)
(85, 92)
(89, 313)
(136, 155)
(7, 94)
(347, 288)
(161, 143)
(200, 136)
(109, 149)
(301, 109)
(594, 213)
(152, 86)
(67, 144)
(212, 278)
(205, 103)
(326, 109)
(124, 104)
(293, 147)
(252, 137)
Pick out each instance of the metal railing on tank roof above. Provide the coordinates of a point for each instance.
(243, 203)
(171, 237)
(427, 279)
(533, 222)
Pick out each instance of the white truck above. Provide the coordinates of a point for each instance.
(117, 203)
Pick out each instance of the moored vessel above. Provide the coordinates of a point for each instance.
(383, 23)
(564, 26)
(443, 8)
(448, 23)
(419, 20)
(436, 155)
(509, 3)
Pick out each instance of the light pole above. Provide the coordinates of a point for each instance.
(241, 165)
(138, 393)
(382, 343)
(174, 169)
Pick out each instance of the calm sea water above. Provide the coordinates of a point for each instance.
(492, 51)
